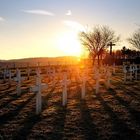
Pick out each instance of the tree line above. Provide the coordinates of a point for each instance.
(97, 40)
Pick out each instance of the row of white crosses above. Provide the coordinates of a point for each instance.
(134, 70)
(64, 84)
(97, 77)
(104, 68)
(37, 89)
(6, 73)
(18, 79)
(129, 71)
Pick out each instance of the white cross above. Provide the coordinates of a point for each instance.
(125, 72)
(18, 79)
(128, 72)
(5, 74)
(131, 70)
(28, 73)
(136, 72)
(10, 75)
(51, 73)
(38, 89)
(64, 83)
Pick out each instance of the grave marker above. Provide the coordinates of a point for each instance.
(28, 73)
(18, 79)
(136, 72)
(5, 74)
(64, 83)
(37, 90)
(131, 70)
(125, 72)
(10, 77)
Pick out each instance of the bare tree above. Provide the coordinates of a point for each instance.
(97, 39)
(134, 40)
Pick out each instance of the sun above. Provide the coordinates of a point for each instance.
(69, 44)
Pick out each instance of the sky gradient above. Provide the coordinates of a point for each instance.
(48, 28)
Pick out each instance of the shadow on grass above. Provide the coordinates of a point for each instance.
(88, 125)
(29, 122)
(58, 118)
(89, 128)
(130, 92)
(135, 115)
(8, 116)
(14, 97)
(57, 124)
(119, 126)
(6, 93)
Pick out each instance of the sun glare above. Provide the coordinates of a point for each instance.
(69, 44)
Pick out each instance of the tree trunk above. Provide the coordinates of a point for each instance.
(98, 60)
(93, 60)
(101, 59)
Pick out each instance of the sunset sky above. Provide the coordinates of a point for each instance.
(48, 28)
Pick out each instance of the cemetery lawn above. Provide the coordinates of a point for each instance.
(111, 114)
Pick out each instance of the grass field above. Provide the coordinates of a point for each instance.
(110, 114)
